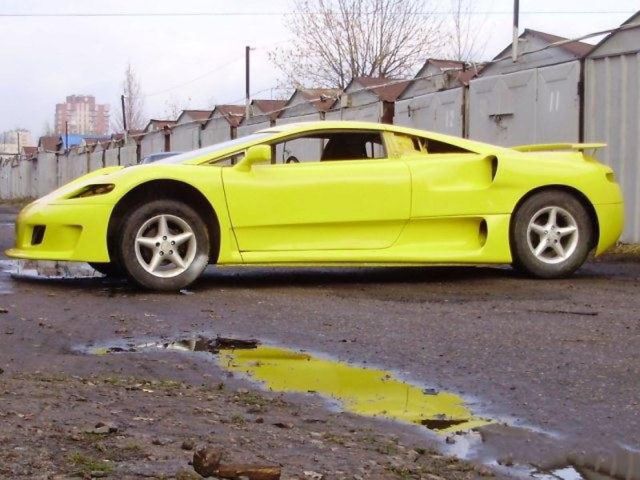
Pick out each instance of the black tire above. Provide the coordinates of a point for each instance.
(110, 269)
(527, 237)
(137, 261)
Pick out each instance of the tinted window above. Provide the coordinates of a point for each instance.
(330, 146)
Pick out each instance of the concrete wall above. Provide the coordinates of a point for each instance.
(216, 130)
(72, 165)
(5, 179)
(152, 142)
(129, 154)
(249, 128)
(47, 165)
(17, 186)
(96, 159)
(185, 137)
(112, 156)
(36, 177)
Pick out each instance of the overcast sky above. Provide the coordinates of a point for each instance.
(197, 61)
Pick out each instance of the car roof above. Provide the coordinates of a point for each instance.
(327, 125)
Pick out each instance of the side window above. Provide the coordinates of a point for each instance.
(325, 147)
(300, 149)
(413, 144)
(435, 146)
(353, 146)
(228, 160)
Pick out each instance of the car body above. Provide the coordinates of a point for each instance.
(336, 193)
(154, 157)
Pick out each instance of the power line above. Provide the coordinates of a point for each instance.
(214, 70)
(275, 14)
(187, 82)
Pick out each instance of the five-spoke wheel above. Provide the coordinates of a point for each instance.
(551, 234)
(164, 245)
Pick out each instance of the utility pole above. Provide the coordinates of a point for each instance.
(66, 135)
(247, 99)
(516, 30)
(124, 118)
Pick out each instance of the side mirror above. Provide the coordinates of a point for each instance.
(255, 154)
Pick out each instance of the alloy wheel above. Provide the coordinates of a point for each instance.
(165, 245)
(552, 234)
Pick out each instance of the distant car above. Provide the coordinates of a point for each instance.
(332, 193)
(154, 157)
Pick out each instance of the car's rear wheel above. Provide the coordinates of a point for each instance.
(551, 235)
(164, 245)
(108, 269)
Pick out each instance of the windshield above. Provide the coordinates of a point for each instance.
(212, 150)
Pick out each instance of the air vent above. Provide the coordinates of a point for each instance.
(38, 234)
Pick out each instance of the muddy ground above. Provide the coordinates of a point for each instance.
(558, 362)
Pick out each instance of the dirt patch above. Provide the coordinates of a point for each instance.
(623, 252)
(49, 427)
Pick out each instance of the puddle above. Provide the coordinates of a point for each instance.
(381, 394)
(568, 473)
(5, 269)
(364, 391)
(361, 390)
(49, 270)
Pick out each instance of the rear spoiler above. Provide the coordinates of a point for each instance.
(550, 147)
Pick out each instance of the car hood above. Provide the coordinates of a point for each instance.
(116, 175)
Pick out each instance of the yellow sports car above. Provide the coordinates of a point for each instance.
(332, 193)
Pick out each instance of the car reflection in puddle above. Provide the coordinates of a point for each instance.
(361, 390)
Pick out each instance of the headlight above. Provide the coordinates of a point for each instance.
(92, 190)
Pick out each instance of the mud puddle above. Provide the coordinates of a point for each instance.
(364, 391)
(382, 394)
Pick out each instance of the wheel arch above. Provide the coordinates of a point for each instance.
(171, 190)
(581, 197)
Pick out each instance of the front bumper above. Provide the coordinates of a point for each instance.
(73, 232)
(611, 223)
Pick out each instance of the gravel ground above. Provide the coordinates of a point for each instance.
(555, 361)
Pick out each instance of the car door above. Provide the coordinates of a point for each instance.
(448, 181)
(316, 203)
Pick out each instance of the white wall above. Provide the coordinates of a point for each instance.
(185, 137)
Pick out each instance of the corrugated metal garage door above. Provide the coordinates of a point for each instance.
(612, 115)
(439, 112)
(540, 105)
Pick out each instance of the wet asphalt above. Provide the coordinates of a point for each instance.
(558, 361)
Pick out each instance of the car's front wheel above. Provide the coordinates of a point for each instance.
(164, 245)
(551, 235)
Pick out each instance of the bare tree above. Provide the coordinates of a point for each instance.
(133, 102)
(466, 40)
(335, 41)
(174, 107)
